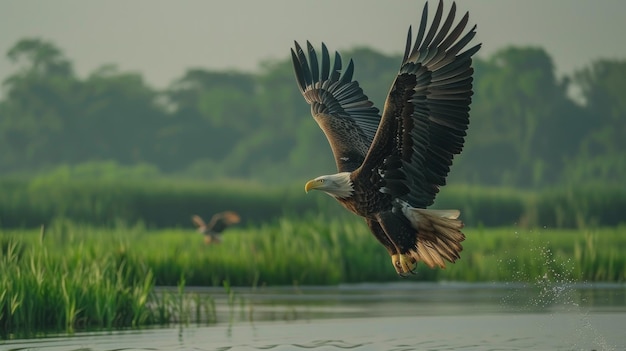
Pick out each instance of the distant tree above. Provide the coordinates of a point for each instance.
(603, 85)
(120, 117)
(39, 103)
(524, 129)
(50, 117)
(211, 112)
(523, 126)
(602, 152)
(280, 103)
(39, 57)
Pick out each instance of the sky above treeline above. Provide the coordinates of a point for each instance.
(163, 38)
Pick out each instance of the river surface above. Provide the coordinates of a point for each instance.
(391, 316)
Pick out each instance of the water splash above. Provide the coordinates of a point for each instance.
(553, 289)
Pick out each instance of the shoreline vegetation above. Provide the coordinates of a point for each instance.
(109, 244)
(74, 276)
(169, 202)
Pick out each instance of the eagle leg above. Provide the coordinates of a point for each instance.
(211, 239)
(381, 236)
(399, 232)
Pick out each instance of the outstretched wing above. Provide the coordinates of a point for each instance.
(426, 113)
(220, 221)
(345, 115)
(198, 221)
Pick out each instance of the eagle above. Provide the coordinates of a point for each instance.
(391, 165)
(219, 222)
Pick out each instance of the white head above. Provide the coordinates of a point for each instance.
(337, 185)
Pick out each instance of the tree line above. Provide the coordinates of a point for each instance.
(525, 129)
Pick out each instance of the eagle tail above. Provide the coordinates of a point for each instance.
(439, 235)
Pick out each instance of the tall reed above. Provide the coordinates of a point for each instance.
(81, 277)
(169, 203)
(78, 288)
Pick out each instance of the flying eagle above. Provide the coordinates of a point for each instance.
(392, 165)
(219, 222)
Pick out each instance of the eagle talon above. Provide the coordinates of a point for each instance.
(404, 264)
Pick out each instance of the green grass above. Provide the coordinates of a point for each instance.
(81, 277)
(40, 289)
(167, 203)
(561, 255)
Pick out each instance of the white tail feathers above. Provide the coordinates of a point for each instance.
(449, 214)
(439, 235)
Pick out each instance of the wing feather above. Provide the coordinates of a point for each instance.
(426, 113)
(198, 221)
(222, 220)
(325, 65)
(341, 109)
(315, 73)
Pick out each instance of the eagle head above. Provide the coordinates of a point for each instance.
(337, 185)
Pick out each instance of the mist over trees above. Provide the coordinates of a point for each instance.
(525, 130)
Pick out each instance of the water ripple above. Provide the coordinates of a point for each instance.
(340, 344)
(397, 318)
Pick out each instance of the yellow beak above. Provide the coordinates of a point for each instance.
(312, 184)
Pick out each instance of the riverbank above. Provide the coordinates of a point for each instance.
(76, 276)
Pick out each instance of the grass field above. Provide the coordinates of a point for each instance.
(78, 276)
(168, 203)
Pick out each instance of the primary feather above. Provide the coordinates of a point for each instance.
(393, 164)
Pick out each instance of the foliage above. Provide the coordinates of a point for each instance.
(316, 250)
(526, 131)
(155, 203)
(603, 151)
(77, 287)
(76, 277)
(86, 195)
(69, 283)
(523, 125)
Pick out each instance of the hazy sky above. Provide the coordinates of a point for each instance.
(162, 38)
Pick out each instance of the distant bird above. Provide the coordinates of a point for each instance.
(219, 222)
(391, 166)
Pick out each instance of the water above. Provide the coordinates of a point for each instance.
(397, 316)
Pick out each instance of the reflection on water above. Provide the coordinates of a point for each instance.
(413, 299)
(399, 316)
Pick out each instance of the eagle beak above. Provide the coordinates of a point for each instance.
(312, 184)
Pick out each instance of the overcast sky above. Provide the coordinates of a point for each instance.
(162, 38)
